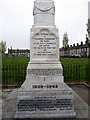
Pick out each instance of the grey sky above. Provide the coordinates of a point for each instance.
(17, 19)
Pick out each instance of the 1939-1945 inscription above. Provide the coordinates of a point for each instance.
(44, 86)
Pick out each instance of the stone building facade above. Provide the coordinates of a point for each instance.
(19, 52)
(83, 50)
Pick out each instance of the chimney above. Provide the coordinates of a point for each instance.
(77, 44)
(73, 45)
(81, 43)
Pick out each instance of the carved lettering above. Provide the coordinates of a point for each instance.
(45, 103)
(44, 86)
(43, 72)
(45, 42)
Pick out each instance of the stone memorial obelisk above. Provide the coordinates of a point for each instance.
(44, 93)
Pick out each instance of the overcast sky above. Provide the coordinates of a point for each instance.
(17, 19)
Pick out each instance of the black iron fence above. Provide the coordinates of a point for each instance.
(16, 74)
(13, 74)
(76, 73)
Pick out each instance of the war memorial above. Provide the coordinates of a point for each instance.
(44, 94)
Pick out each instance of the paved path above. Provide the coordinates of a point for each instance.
(83, 91)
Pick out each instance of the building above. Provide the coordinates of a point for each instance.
(19, 52)
(83, 50)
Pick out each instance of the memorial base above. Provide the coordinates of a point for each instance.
(47, 100)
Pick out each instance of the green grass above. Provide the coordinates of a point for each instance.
(15, 60)
(73, 61)
(75, 69)
(25, 60)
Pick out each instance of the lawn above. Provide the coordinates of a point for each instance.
(25, 60)
(74, 69)
(15, 60)
(73, 61)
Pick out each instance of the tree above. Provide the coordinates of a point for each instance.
(88, 32)
(65, 40)
(10, 51)
(3, 47)
(88, 43)
(88, 35)
(88, 28)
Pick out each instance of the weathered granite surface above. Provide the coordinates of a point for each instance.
(9, 106)
(45, 100)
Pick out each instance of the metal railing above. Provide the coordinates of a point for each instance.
(16, 74)
(76, 73)
(13, 74)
